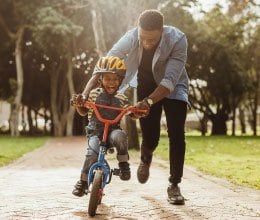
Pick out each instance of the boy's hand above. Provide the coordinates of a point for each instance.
(77, 100)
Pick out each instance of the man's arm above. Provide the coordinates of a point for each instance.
(159, 93)
(175, 64)
(92, 83)
(122, 47)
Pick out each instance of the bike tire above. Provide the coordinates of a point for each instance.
(96, 193)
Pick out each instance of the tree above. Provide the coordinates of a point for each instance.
(15, 28)
(218, 79)
(36, 92)
(97, 25)
(253, 71)
(54, 27)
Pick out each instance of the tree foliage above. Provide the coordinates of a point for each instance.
(59, 47)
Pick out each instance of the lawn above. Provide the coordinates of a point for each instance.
(234, 158)
(12, 148)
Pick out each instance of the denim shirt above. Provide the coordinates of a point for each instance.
(168, 63)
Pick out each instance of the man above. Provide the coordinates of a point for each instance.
(157, 54)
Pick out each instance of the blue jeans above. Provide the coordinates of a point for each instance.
(175, 112)
(117, 138)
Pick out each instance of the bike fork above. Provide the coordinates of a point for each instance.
(100, 165)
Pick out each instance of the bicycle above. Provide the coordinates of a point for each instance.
(100, 173)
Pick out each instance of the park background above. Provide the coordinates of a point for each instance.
(49, 49)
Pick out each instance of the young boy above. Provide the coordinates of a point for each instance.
(112, 71)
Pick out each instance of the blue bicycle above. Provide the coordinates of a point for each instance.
(100, 173)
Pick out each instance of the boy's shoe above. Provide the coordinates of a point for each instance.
(143, 172)
(174, 195)
(125, 173)
(80, 188)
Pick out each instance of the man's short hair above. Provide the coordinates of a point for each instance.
(151, 20)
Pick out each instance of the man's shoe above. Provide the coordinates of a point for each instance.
(174, 195)
(125, 173)
(80, 188)
(143, 172)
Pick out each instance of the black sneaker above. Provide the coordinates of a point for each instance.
(174, 195)
(143, 172)
(80, 188)
(125, 173)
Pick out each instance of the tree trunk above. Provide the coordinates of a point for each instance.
(255, 108)
(23, 119)
(71, 112)
(30, 121)
(219, 126)
(242, 120)
(59, 98)
(15, 107)
(45, 121)
(131, 129)
(97, 26)
(234, 122)
(254, 120)
(58, 125)
(14, 120)
(35, 119)
(203, 124)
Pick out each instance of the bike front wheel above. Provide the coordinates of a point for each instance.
(96, 193)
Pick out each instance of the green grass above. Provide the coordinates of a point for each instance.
(234, 158)
(12, 148)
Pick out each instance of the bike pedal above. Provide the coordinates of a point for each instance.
(116, 172)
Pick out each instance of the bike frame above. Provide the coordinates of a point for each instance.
(101, 164)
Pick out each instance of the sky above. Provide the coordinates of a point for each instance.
(207, 5)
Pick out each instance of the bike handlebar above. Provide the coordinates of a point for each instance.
(108, 122)
(123, 111)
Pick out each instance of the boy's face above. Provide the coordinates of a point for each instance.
(110, 82)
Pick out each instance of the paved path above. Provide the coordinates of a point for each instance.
(39, 185)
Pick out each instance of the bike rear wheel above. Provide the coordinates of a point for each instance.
(96, 193)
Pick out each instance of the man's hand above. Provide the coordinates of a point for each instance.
(142, 105)
(77, 100)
